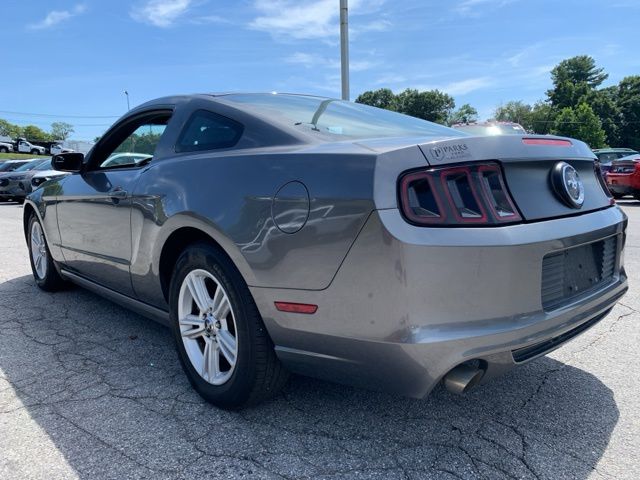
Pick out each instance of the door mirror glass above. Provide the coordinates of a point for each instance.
(68, 162)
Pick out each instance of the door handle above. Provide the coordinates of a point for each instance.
(118, 192)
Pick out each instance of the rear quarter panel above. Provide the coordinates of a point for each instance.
(230, 197)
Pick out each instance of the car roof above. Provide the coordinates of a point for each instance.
(182, 97)
(633, 156)
(613, 150)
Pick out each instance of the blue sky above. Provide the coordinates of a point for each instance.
(73, 59)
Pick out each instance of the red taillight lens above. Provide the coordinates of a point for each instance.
(547, 141)
(468, 195)
(602, 179)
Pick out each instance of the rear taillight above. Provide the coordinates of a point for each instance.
(467, 195)
(602, 180)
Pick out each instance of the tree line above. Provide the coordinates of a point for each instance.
(576, 106)
(58, 131)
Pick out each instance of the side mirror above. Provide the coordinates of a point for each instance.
(68, 162)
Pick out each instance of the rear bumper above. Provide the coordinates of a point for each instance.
(621, 189)
(623, 184)
(409, 303)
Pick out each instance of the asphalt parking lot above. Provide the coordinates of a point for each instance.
(90, 390)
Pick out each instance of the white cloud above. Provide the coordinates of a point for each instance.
(211, 19)
(160, 13)
(461, 87)
(316, 20)
(466, 86)
(56, 16)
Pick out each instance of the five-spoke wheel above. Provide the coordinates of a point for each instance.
(43, 266)
(38, 251)
(208, 326)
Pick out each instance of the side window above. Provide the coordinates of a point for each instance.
(137, 148)
(208, 131)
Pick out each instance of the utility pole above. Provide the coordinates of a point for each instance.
(344, 47)
(127, 95)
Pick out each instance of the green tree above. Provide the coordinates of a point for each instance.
(516, 111)
(381, 98)
(538, 118)
(542, 118)
(8, 129)
(604, 103)
(573, 79)
(432, 105)
(61, 130)
(31, 132)
(629, 104)
(581, 123)
(465, 114)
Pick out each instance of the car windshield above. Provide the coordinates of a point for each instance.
(9, 166)
(497, 129)
(338, 118)
(46, 165)
(29, 166)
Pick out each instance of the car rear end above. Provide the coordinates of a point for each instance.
(623, 178)
(474, 261)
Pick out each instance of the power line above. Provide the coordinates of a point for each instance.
(24, 123)
(51, 115)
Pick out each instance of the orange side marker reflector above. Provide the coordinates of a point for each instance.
(296, 307)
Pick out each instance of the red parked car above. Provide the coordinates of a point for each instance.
(624, 177)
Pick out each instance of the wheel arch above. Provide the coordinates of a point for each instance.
(181, 234)
(29, 209)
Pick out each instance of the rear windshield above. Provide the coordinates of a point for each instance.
(338, 118)
(492, 129)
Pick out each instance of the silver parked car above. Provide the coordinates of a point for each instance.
(278, 233)
(16, 184)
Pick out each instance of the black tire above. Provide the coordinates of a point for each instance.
(258, 374)
(4, 150)
(51, 281)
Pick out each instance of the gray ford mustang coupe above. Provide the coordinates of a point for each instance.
(277, 233)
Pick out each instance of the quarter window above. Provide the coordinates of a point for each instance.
(208, 131)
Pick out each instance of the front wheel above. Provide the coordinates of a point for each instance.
(44, 270)
(4, 150)
(222, 343)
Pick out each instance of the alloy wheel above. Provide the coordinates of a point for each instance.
(208, 326)
(38, 250)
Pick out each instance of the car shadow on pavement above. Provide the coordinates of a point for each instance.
(98, 392)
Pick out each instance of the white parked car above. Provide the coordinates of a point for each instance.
(57, 149)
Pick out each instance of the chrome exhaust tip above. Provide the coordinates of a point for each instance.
(462, 378)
